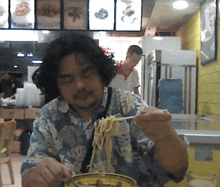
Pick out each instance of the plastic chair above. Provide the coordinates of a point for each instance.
(7, 130)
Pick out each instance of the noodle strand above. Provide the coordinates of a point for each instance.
(104, 129)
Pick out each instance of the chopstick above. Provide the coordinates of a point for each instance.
(125, 118)
(131, 117)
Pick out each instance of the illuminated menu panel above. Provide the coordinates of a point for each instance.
(128, 15)
(75, 14)
(48, 14)
(22, 14)
(3, 14)
(101, 14)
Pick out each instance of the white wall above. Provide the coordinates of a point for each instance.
(119, 45)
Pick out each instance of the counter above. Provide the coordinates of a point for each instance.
(202, 133)
(197, 128)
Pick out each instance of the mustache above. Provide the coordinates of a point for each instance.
(82, 94)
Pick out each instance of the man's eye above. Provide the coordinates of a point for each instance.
(66, 80)
(87, 75)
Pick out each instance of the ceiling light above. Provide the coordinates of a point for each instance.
(30, 54)
(45, 32)
(157, 38)
(15, 67)
(180, 5)
(37, 61)
(20, 54)
(18, 35)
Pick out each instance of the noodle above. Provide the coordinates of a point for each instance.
(104, 129)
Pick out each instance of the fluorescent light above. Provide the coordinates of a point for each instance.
(45, 32)
(37, 61)
(30, 54)
(18, 35)
(157, 38)
(180, 5)
(20, 54)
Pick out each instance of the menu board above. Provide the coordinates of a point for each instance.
(3, 14)
(22, 14)
(128, 15)
(48, 14)
(101, 14)
(75, 14)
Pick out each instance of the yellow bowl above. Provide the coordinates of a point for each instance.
(106, 179)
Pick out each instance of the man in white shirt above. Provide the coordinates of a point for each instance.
(127, 76)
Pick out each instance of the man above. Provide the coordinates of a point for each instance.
(9, 83)
(127, 76)
(1, 91)
(74, 74)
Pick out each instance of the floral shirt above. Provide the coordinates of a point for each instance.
(59, 132)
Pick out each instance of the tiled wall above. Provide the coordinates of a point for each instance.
(208, 75)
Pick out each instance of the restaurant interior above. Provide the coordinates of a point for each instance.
(156, 27)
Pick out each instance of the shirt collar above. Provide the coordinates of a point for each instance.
(119, 66)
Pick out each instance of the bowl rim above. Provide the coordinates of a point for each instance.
(191, 173)
(125, 178)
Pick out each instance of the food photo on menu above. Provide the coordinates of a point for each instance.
(48, 14)
(75, 14)
(101, 15)
(3, 14)
(22, 13)
(128, 15)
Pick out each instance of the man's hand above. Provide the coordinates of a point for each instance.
(46, 174)
(155, 123)
(171, 151)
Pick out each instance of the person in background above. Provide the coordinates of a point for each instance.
(1, 91)
(127, 76)
(75, 74)
(9, 83)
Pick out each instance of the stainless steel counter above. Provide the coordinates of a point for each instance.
(197, 129)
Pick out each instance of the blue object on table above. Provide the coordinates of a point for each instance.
(170, 95)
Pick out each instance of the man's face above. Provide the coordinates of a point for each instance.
(133, 59)
(7, 77)
(79, 83)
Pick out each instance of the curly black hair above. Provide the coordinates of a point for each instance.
(45, 77)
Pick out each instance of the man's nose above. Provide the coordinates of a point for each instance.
(80, 83)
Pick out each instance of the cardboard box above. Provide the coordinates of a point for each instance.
(18, 113)
(31, 113)
(11, 113)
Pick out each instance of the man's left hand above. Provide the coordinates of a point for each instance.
(155, 123)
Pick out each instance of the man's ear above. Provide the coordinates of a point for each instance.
(128, 55)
